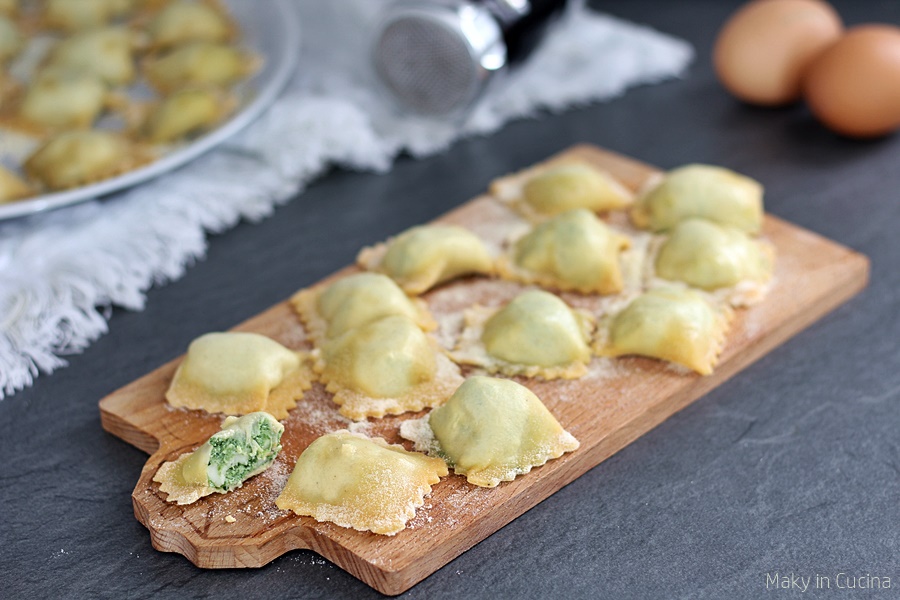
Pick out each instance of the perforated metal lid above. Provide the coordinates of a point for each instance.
(435, 59)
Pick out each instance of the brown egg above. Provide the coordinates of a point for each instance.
(854, 86)
(764, 48)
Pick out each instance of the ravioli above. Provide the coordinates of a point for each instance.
(359, 482)
(701, 191)
(244, 447)
(11, 39)
(536, 334)
(574, 251)
(61, 98)
(354, 301)
(198, 64)
(386, 366)
(12, 187)
(73, 15)
(547, 190)
(673, 324)
(184, 113)
(76, 158)
(239, 373)
(710, 256)
(106, 52)
(492, 430)
(181, 22)
(425, 256)
(9, 7)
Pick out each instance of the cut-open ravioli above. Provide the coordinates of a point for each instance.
(105, 52)
(239, 373)
(63, 98)
(359, 482)
(353, 301)
(574, 251)
(11, 39)
(536, 334)
(244, 447)
(673, 324)
(76, 158)
(12, 187)
(387, 366)
(425, 256)
(181, 22)
(184, 113)
(547, 190)
(703, 191)
(710, 257)
(199, 64)
(491, 430)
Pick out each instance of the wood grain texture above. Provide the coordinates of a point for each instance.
(606, 411)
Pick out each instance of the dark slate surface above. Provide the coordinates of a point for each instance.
(793, 466)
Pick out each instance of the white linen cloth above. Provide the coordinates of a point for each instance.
(61, 272)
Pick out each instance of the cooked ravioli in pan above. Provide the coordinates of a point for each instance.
(77, 158)
(74, 15)
(198, 64)
(239, 373)
(574, 251)
(491, 430)
(427, 255)
(673, 324)
(62, 98)
(13, 187)
(701, 191)
(183, 21)
(385, 366)
(359, 482)
(11, 39)
(185, 113)
(244, 447)
(107, 52)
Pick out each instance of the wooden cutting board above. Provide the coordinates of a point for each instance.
(615, 404)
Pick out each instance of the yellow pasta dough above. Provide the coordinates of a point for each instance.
(574, 251)
(239, 373)
(362, 483)
(386, 366)
(198, 64)
(244, 447)
(674, 324)
(536, 334)
(710, 256)
(106, 52)
(184, 113)
(61, 98)
(12, 187)
(75, 158)
(181, 22)
(354, 301)
(492, 430)
(425, 256)
(11, 39)
(701, 191)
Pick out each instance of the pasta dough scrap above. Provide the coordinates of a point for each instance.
(61, 98)
(199, 64)
(702, 191)
(536, 334)
(574, 251)
(244, 447)
(359, 482)
(186, 112)
(387, 366)
(181, 22)
(106, 52)
(239, 373)
(12, 187)
(492, 430)
(425, 256)
(673, 324)
(76, 158)
(11, 39)
(547, 190)
(354, 301)
(710, 256)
